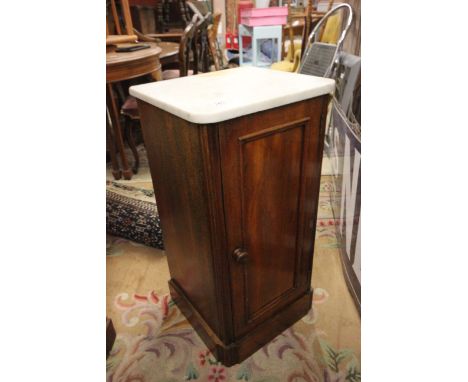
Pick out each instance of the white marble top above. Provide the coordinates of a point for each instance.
(226, 94)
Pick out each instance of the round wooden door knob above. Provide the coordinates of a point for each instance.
(240, 255)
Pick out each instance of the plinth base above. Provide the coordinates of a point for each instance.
(245, 346)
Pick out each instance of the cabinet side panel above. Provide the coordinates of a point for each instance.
(175, 158)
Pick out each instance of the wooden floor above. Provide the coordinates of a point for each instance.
(134, 269)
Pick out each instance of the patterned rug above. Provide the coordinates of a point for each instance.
(156, 343)
(163, 347)
(131, 213)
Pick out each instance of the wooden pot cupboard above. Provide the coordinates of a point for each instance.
(235, 158)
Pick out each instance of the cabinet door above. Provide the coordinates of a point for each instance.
(271, 172)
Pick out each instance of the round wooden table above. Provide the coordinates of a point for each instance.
(124, 66)
(169, 52)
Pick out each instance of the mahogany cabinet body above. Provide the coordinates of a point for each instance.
(238, 206)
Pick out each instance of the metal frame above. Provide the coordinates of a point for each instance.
(339, 44)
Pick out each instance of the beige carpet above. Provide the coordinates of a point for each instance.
(155, 342)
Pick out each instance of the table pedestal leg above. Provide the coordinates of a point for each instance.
(157, 74)
(126, 171)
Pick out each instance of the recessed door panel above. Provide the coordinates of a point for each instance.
(270, 186)
(270, 165)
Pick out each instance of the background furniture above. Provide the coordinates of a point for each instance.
(299, 23)
(236, 167)
(165, 19)
(125, 65)
(270, 32)
(171, 52)
(201, 9)
(110, 336)
(186, 53)
(168, 58)
(119, 26)
(344, 152)
(311, 15)
(290, 63)
(215, 49)
(189, 50)
(320, 58)
(119, 67)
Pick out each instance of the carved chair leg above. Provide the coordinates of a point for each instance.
(112, 151)
(130, 126)
(110, 336)
(117, 130)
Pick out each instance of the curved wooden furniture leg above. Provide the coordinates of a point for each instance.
(157, 74)
(111, 147)
(131, 142)
(110, 336)
(126, 171)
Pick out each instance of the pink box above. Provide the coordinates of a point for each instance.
(263, 21)
(264, 12)
(254, 17)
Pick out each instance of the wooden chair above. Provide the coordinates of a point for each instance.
(328, 34)
(205, 20)
(216, 53)
(299, 23)
(290, 62)
(164, 20)
(119, 27)
(187, 51)
(172, 15)
(311, 16)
